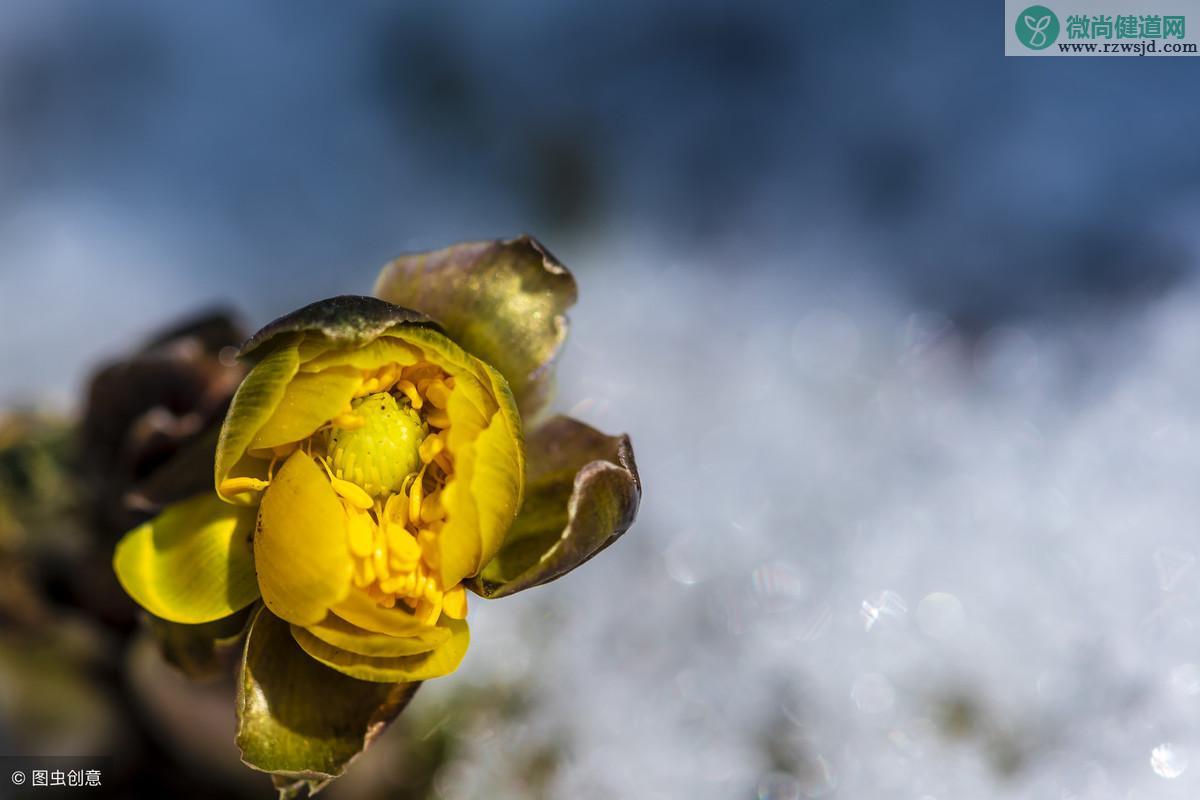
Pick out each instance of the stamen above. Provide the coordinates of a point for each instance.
(432, 509)
(454, 602)
(430, 447)
(410, 391)
(414, 499)
(388, 376)
(361, 533)
(428, 611)
(239, 485)
(404, 548)
(437, 393)
(395, 510)
(427, 539)
(352, 493)
(348, 421)
(379, 561)
(364, 573)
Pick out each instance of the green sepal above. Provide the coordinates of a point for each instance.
(343, 321)
(581, 493)
(300, 720)
(503, 301)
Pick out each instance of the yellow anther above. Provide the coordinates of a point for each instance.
(454, 602)
(364, 573)
(422, 370)
(239, 485)
(403, 546)
(395, 510)
(348, 421)
(388, 376)
(433, 593)
(427, 540)
(432, 509)
(379, 561)
(438, 418)
(416, 495)
(430, 447)
(428, 611)
(437, 393)
(393, 585)
(361, 533)
(410, 391)
(350, 492)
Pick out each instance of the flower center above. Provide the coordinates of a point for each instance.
(387, 458)
(383, 447)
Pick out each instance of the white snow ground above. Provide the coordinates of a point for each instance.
(876, 557)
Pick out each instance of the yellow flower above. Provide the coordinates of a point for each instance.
(384, 470)
(370, 470)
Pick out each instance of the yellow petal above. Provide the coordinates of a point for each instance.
(252, 405)
(309, 401)
(371, 356)
(498, 480)
(192, 563)
(484, 495)
(300, 549)
(336, 631)
(442, 660)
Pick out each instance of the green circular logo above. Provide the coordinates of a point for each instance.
(1037, 27)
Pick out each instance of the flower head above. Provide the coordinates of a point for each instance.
(370, 470)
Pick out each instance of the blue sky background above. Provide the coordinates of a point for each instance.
(160, 157)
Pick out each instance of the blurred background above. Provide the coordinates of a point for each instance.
(905, 334)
